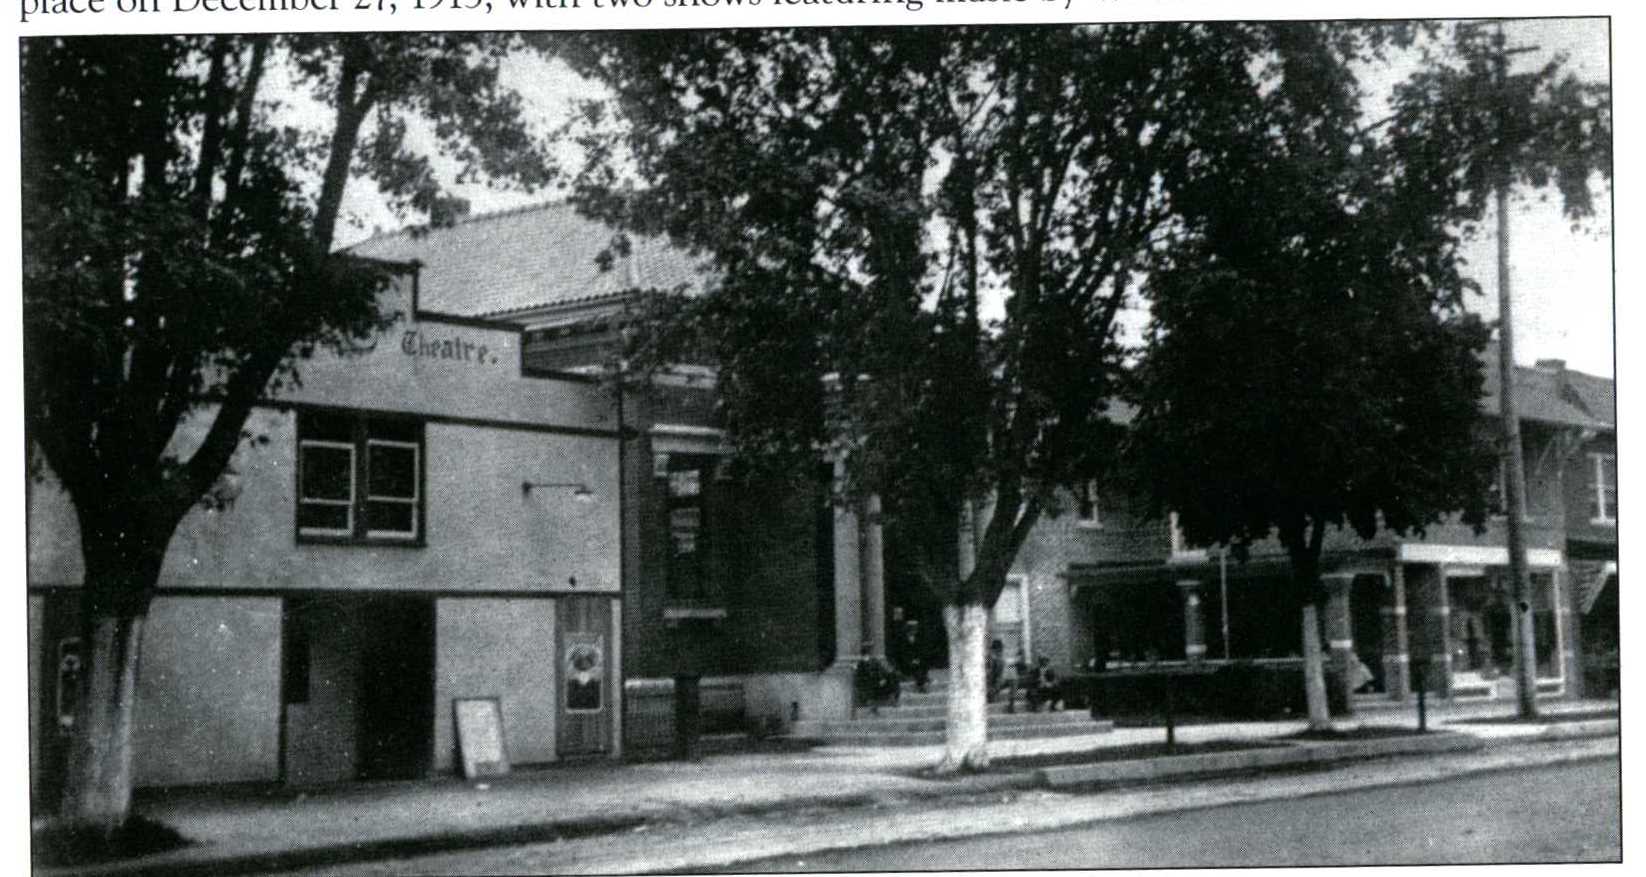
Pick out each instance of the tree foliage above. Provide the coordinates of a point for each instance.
(1309, 363)
(925, 238)
(946, 223)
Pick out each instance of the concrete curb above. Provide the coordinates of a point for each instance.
(201, 861)
(1298, 753)
(1044, 810)
(198, 860)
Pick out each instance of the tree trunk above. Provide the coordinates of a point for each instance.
(1314, 675)
(97, 788)
(966, 742)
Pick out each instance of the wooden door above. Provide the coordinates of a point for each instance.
(586, 675)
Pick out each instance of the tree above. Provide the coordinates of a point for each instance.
(176, 265)
(1467, 120)
(1309, 365)
(924, 238)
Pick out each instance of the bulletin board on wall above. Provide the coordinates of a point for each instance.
(480, 743)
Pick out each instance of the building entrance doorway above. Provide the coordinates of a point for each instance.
(357, 688)
(1368, 600)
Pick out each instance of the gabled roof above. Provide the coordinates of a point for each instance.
(1556, 396)
(514, 261)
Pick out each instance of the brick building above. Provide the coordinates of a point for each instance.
(1109, 579)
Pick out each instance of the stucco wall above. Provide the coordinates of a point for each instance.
(484, 533)
(208, 692)
(497, 648)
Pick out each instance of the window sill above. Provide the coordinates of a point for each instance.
(1603, 522)
(1089, 525)
(674, 615)
(312, 539)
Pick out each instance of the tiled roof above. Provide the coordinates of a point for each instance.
(496, 264)
(1564, 397)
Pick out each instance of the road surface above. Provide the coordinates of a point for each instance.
(1568, 813)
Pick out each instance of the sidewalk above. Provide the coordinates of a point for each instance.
(241, 832)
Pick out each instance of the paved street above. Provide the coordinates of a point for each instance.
(1562, 814)
(1443, 808)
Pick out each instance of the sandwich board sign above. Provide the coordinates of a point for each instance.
(480, 736)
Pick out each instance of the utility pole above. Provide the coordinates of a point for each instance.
(1515, 466)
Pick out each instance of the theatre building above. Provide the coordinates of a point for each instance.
(418, 524)
(465, 512)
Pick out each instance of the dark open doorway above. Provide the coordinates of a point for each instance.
(396, 706)
(357, 687)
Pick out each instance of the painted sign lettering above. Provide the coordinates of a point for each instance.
(415, 343)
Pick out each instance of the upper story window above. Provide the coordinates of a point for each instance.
(359, 479)
(1603, 488)
(1086, 505)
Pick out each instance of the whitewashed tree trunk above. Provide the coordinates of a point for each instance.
(97, 791)
(1314, 674)
(966, 741)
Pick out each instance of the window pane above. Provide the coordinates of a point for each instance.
(328, 472)
(391, 518)
(684, 524)
(686, 482)
(323, 516)
(391, 470)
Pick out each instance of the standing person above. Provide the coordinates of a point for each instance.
(914, 663)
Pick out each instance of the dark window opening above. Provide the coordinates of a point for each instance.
(359, 479)
(686, 488)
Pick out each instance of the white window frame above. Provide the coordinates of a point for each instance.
(1095, 520)
(347, 504)
(414, 500)
(1598, 511)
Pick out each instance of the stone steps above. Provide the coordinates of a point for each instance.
(919, 719)
(935, 738)
(894, 721)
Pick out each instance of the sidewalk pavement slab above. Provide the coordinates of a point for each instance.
(240, 832)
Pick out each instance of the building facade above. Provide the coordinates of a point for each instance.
(418, 524)
(765, 591)
(1108, 580)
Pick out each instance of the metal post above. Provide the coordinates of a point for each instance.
(1171, 721)
(1420, 673)
(1223, 583)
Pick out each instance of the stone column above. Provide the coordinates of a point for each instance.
(1397, 649)
(1194, 630)
(1340, 638)
(1438, 627)
(848, 586)
(1563, 598)
(874, 580)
